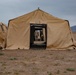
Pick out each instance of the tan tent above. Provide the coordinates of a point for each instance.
(24, 31)
(3, 35)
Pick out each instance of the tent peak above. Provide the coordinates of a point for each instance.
(38, 8)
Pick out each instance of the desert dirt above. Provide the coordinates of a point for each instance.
(38, 62)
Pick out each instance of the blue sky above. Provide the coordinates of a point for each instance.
(65, 9)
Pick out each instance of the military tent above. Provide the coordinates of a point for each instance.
(39, 29)
(3, 35)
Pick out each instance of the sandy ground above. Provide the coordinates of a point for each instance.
(38, 62)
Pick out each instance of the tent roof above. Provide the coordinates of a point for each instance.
(34, 14)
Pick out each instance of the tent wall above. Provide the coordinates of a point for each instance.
(59, 36)
(3, 35)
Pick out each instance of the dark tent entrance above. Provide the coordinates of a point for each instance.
(38, 35)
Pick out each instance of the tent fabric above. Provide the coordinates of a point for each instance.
(59, 34)
(3, 34)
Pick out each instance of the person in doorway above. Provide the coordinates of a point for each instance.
(37, 35)
(41, 35)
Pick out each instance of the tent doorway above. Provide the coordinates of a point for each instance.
(38, 35)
